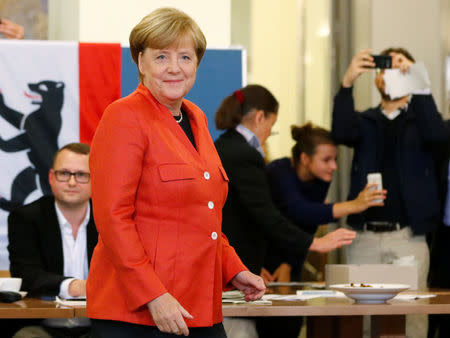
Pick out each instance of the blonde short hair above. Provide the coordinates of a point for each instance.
(163, 27)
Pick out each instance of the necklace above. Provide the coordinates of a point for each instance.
(181, 117)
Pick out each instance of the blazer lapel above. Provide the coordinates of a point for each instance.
(52, 233)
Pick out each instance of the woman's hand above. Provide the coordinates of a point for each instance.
(168, 314)
(266, 276)
(361, 63)
(333, 240)
(282, 273)
(11, 30)
(250, 284)
(369, 197)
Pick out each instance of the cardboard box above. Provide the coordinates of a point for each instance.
(371, 273)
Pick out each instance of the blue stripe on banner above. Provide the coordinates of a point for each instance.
(219, 74)
(130, 75)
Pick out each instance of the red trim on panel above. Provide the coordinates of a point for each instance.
(100, 77)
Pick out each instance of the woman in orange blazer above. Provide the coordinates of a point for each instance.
(158, 188)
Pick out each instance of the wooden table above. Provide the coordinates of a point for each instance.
(341, 317)
(35, 308)
(326, 317)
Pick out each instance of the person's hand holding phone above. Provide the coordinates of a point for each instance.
(361, 63)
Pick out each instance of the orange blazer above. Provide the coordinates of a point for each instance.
(157, 205)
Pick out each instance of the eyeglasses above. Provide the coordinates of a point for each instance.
(64, 176)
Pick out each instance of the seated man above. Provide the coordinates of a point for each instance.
(52, 239)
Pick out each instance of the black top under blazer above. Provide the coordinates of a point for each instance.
(250, 219)
(35, 246)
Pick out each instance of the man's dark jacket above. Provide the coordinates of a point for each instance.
(35, 246)
(440, 245)
(250, 219)
(422, 133)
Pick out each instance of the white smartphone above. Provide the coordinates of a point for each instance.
(375, 178)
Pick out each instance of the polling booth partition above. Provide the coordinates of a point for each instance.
(53, 93)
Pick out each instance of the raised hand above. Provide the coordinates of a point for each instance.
(400, 61)
(361, 63)
(11, 30)
(369, 197)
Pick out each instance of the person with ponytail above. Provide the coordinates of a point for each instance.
(299, 186)
(251, 221)
(250, 218)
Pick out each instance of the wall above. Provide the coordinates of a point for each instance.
(275, 61)
(112, 20)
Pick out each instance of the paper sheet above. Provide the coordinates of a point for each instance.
(415, 81)
(72, 302)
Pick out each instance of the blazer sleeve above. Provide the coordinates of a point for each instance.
(345, 127)
(25, 256)
(249, 178)
(116, 164)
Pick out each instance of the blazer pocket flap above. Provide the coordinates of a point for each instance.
(224, 174)
(176, 172)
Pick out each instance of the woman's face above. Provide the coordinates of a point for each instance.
(264, 127)
(169, 73)
(322, 164)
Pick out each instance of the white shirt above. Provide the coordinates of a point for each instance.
(75, 264)
(251, 138)
(74, 251)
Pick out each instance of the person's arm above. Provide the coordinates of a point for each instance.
(366, 198)
(345, 124)
(11, 30)
(25, 257)
(249, 180)
(117, 160)
(116, 163)
(431, 126)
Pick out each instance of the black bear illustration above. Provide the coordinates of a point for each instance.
(40, 131)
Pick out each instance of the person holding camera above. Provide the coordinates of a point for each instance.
(397, 139)
(11, 30)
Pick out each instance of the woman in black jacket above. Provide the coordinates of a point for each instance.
(250, 219)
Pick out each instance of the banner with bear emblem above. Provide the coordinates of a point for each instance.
(51, 94)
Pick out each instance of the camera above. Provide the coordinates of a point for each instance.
(382, 61)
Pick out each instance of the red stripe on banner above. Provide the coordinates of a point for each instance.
(100, 71)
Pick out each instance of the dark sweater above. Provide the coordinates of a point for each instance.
(420, 133)
(300, 202)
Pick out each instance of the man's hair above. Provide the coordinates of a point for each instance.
(400, 51)
(78, 148)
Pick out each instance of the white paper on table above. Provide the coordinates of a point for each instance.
(310, 294)
(415, 81)
(280, 297)
(410, 296)
(72, 302)
(254, 302)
